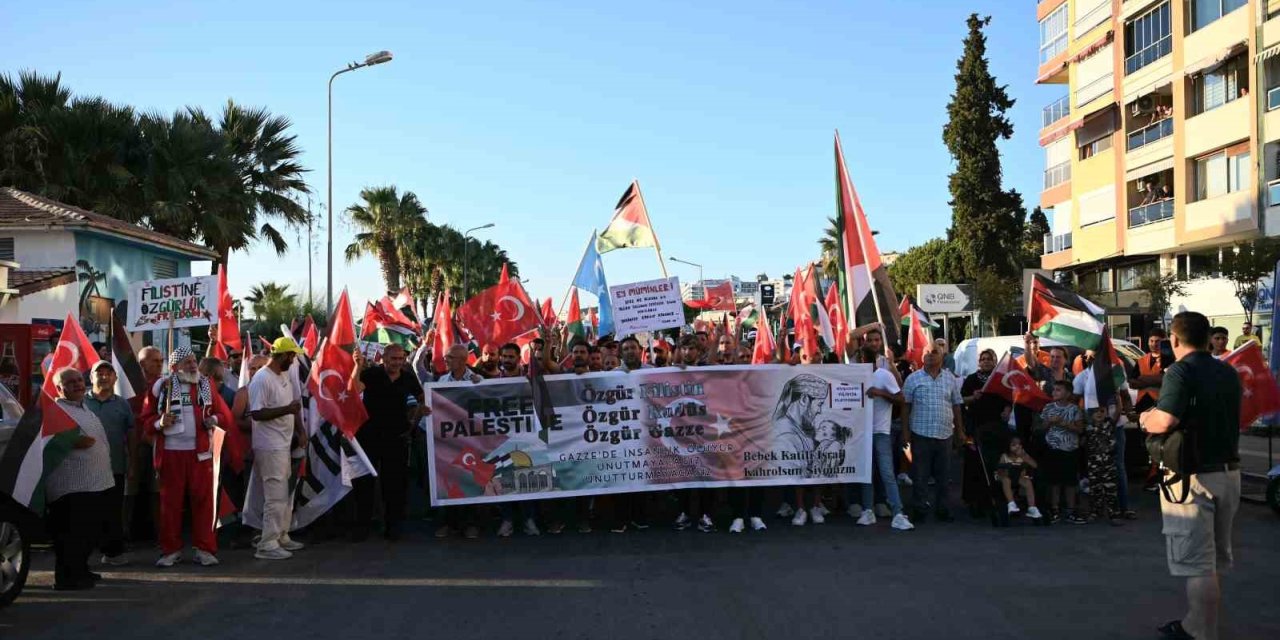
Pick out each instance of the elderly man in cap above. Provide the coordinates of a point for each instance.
(183, 408)
(77, 489)
(276, 412)
(118, 425)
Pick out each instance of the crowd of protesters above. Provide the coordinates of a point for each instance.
(143, 470)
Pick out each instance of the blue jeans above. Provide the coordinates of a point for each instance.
(1122, 475)
(882, 459)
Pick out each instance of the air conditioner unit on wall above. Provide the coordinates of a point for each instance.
(1144, 105)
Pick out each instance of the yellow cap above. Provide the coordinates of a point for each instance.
(286, 345)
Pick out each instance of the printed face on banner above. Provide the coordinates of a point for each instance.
(650, 430)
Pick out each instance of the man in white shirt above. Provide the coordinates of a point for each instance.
(275, 413)
(885, 393)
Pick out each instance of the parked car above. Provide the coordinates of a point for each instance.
(966, 355)
(18, 524)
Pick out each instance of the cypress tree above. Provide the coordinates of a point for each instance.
(987, 221)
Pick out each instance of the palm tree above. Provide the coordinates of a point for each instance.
(384, 217)
(273, 305)
(829, 244)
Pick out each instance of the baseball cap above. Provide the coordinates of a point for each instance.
(285, 345)
(100, 364)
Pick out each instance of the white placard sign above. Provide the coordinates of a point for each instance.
(173, 303)
(646, 306)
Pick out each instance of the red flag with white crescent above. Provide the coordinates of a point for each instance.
(1011, 381)
(228, 332)
(500, 313)
(1259, 393)
(330, 385)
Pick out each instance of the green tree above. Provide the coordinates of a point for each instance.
(986, 220)
(1033, 233)
(934, 262)
(1160, 290)
(273, 306)
(1246, 265)
(829, 248)
(384, 217)
(995, 297)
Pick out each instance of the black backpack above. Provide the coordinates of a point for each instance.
(1175, 453)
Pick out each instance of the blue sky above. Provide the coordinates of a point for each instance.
(536, 115)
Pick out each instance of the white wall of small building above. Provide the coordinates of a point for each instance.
(43, 249)
(53, 303)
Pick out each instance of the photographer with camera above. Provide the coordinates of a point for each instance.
(1194, 437)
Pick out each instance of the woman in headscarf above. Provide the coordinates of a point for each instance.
(986, 424)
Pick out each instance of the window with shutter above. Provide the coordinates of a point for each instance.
(164, 268)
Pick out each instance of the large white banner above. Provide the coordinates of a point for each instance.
(173, 304)
(642, 307)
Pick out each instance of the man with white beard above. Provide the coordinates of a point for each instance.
(182, 410)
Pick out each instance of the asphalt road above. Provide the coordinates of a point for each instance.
(1253, 453)
(958, 580)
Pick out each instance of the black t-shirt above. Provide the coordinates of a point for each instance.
(1204, 394)
(387, 401)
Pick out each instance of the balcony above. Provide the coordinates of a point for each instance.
(1054, 48)
(1055, 111)
(1151, 213)
(1057, 174)
(1148, 54)
(1150, 133)
(1056, 244)
(1094, 90)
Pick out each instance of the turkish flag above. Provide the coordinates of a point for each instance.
(228, 323)
(839, 326)
(548, 314)
(1011, 381)
(500, 313)
(75, 351)
(342, 326)
(444, 336)
(374, 318)
(395, 315)
(918, 339)
(763, 353)
(717, 298)
(310, 337)
(1260, 395)
(330, 385)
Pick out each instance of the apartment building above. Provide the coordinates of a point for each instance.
(1164, 149)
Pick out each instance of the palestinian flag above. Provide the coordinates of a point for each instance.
(1060, 314)
(575, 330)
(909, 308)
(1108, 373)
(46, 433)
(864, 282)
(130, 381)
(630, 226)
(749, 317)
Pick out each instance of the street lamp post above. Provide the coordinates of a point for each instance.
(701, 284)
(369, 60)
(466, 249)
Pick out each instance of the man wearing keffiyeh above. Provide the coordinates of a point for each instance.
(181, 413)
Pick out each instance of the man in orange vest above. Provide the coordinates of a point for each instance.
(1150, 373)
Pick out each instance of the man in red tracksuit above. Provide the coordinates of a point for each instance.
(182, 410)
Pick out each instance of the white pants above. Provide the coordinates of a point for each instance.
(271, 474)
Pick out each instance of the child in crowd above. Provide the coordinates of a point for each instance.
(1016, 465)
(1100, 442)
(1065, 423)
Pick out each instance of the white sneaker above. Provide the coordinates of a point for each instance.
(904, 479)
(1013, 508)
(738, 526)
(901, 523)
(168, 561)
(289, 544)
(757, 524)
(205, 559)
(822, 508)
(683, 522)
(785, 511)
(531, 527)
(867, 518)
(277, 553)
(882, 510)
(116, 561)
(800, 518)
(816, 515)
(856, 511)
(506, 529)
(1033, 513)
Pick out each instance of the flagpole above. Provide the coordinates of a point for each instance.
(657, 246)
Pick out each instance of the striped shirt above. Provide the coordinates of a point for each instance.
(83, 470)
(933, 401)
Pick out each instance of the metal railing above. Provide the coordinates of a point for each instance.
(1054, 244)
(1273, 193)
(1094, 90)
(1149, 213)
(1055, 111)
(1150, 133)
(1057, 174)
(1273, 98)
(1149, 54)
